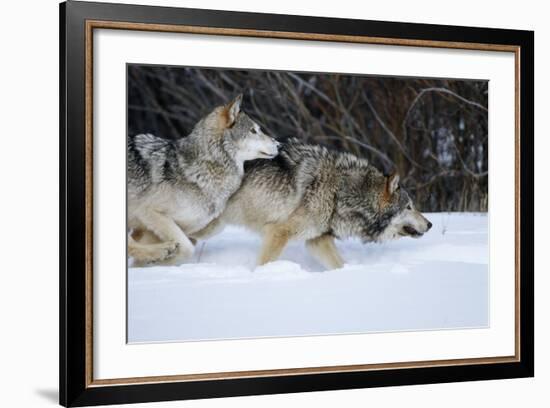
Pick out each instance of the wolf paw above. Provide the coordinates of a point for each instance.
(183, 253)
(166, 251)
(153, 253)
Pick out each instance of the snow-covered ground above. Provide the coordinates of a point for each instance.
(439, 281)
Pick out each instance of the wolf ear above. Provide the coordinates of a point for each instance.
(232, 110)
(392, 183)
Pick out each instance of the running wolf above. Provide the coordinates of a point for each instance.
(310, 193)
(175, 188)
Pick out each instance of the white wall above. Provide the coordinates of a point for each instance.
(28, 174)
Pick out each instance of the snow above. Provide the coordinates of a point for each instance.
(440, 281)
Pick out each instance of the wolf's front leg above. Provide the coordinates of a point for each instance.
(168, 231)
(275, 239)
(324, 250)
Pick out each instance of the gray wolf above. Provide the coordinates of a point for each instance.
(310, 193)
(176, 188)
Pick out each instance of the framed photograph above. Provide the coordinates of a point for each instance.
(256, 204)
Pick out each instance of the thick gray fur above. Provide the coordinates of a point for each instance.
(176, 187)
(311, 193)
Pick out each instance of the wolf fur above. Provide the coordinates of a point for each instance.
(310, 193)
(176, 187)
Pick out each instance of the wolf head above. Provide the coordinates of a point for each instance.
(405, 219)
(376, 208)
(239, 134)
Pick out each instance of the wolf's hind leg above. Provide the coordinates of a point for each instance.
(167, 230)
(144, 254)
(324, 250)
(275, 239)
(144, 236)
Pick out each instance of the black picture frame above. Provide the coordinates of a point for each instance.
(75, 388)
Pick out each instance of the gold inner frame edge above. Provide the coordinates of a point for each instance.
(98, 24)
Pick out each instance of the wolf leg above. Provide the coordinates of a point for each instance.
(325, 251)
(144, 236)
(148, 253)
(166, 229)
(275, 239)
(214, 227)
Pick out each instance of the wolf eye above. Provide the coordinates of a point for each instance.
(409, 207)
(253, 130)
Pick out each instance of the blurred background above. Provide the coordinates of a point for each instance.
(433, 132)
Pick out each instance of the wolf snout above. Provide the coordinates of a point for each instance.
(269, 149)
(275, 146)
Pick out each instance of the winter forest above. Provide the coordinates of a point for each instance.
(433, 132)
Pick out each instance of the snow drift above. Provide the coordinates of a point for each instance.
(440, 281)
